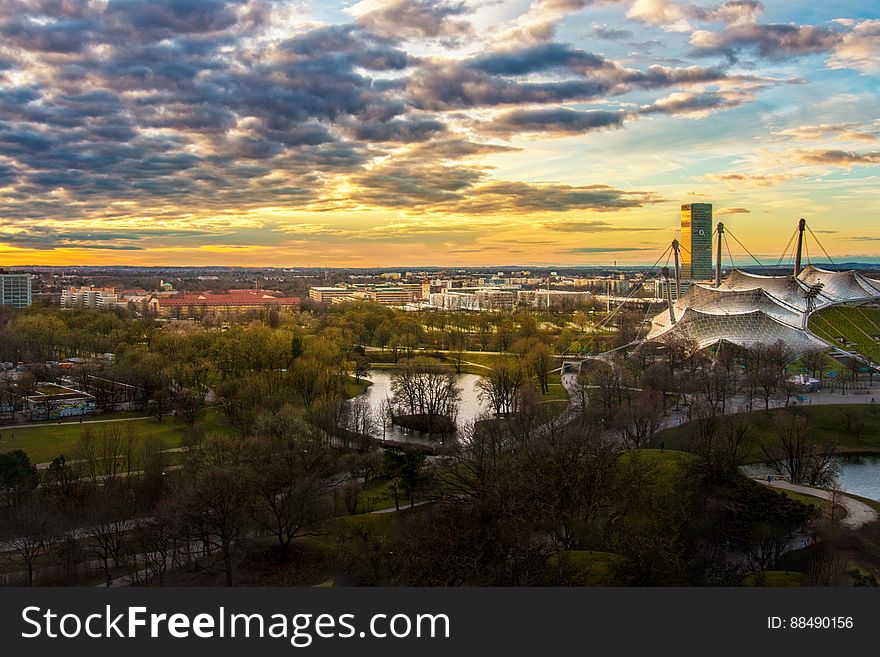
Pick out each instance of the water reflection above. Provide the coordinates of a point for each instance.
(860, 474)
(469, 408)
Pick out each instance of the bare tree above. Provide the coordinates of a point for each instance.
(796, 455)
(31, 527)
(502, 386)
(291, 489)
(218, 499)
(426, 388)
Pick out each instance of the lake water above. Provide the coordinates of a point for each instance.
(470, 407)
(860, 474)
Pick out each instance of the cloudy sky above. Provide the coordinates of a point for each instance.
(432, 132)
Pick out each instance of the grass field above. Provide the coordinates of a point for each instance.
(44, 443)
(851, 427)
(859, 325)
(587, 568)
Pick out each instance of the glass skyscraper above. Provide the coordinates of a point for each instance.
(696, 238)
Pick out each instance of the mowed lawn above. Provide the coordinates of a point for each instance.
(850, 427)
(44, 443)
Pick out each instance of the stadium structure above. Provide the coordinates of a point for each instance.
(748, 309)
(743, 308)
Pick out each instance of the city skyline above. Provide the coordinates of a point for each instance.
(434, 133)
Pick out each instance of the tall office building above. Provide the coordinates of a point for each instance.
(15, 290)
(696, 238)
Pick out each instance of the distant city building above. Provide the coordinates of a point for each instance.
(198, 304)
(696, 238)
(89, 297)
(16, 290)
(327, 294)
(661, 284)
(397, 294)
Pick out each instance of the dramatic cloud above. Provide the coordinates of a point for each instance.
(223, 121)
(676, 17)
(555, 121)
(773, 41)
(697, 104)
(525, 198)
(413, 19)
(859, 48)
(540, 21)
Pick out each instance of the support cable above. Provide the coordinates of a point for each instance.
(785, 251)
(635, 289)
(729, 254)
(820, 244)
(742, 246)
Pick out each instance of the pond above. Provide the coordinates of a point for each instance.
(469, 408)
(860, 474)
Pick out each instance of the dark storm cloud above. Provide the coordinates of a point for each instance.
(560, 121)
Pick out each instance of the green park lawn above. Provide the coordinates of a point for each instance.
(851, 427)
(44, 443)
(775, 578)
(587, 567)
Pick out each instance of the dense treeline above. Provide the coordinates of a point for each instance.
(276, 462)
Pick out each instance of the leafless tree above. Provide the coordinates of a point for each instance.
(427, 388)
(796, 455)
(502, 386)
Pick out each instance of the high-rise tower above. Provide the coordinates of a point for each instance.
(696, 237)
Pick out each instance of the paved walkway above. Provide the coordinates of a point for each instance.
(403, 507)
(73, 423)
(858, 513)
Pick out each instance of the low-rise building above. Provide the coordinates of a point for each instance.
(199, 304)
(89, 297)
(327, 294)
(50, 401)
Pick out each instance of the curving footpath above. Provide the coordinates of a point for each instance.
(858, 513)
